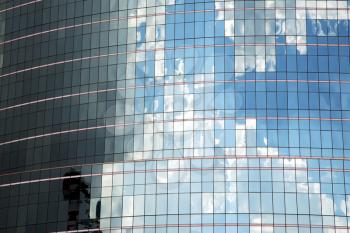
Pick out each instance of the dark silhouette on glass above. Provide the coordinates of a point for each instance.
(76, 192)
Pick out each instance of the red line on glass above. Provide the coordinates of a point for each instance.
(162, 49)
(165, 13)
(168, 121)
(226, 156)
(235, 168)
(57, 97)
(18, 6)
(198, 225)
(170, 84)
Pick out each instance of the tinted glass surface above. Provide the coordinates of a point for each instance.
(175, 116)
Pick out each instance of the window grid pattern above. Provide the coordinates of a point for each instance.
(175, 116)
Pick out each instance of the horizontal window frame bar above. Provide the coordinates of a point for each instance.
(19, 6)
(165, 13)
(39, 136)
(171, 84)
(156, 170)
(164, 49)
(228, 157)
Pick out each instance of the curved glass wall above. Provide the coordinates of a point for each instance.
(175, 116)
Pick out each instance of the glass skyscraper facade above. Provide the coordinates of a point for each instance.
(175, 116)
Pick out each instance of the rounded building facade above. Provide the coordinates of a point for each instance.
(175, 116)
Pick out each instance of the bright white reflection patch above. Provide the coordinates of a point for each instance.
(254, 51)
(285, 20)
(278, 19)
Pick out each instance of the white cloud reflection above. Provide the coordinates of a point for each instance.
(293, 27)
(249, 57)
(295, 32)
(291, 24)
